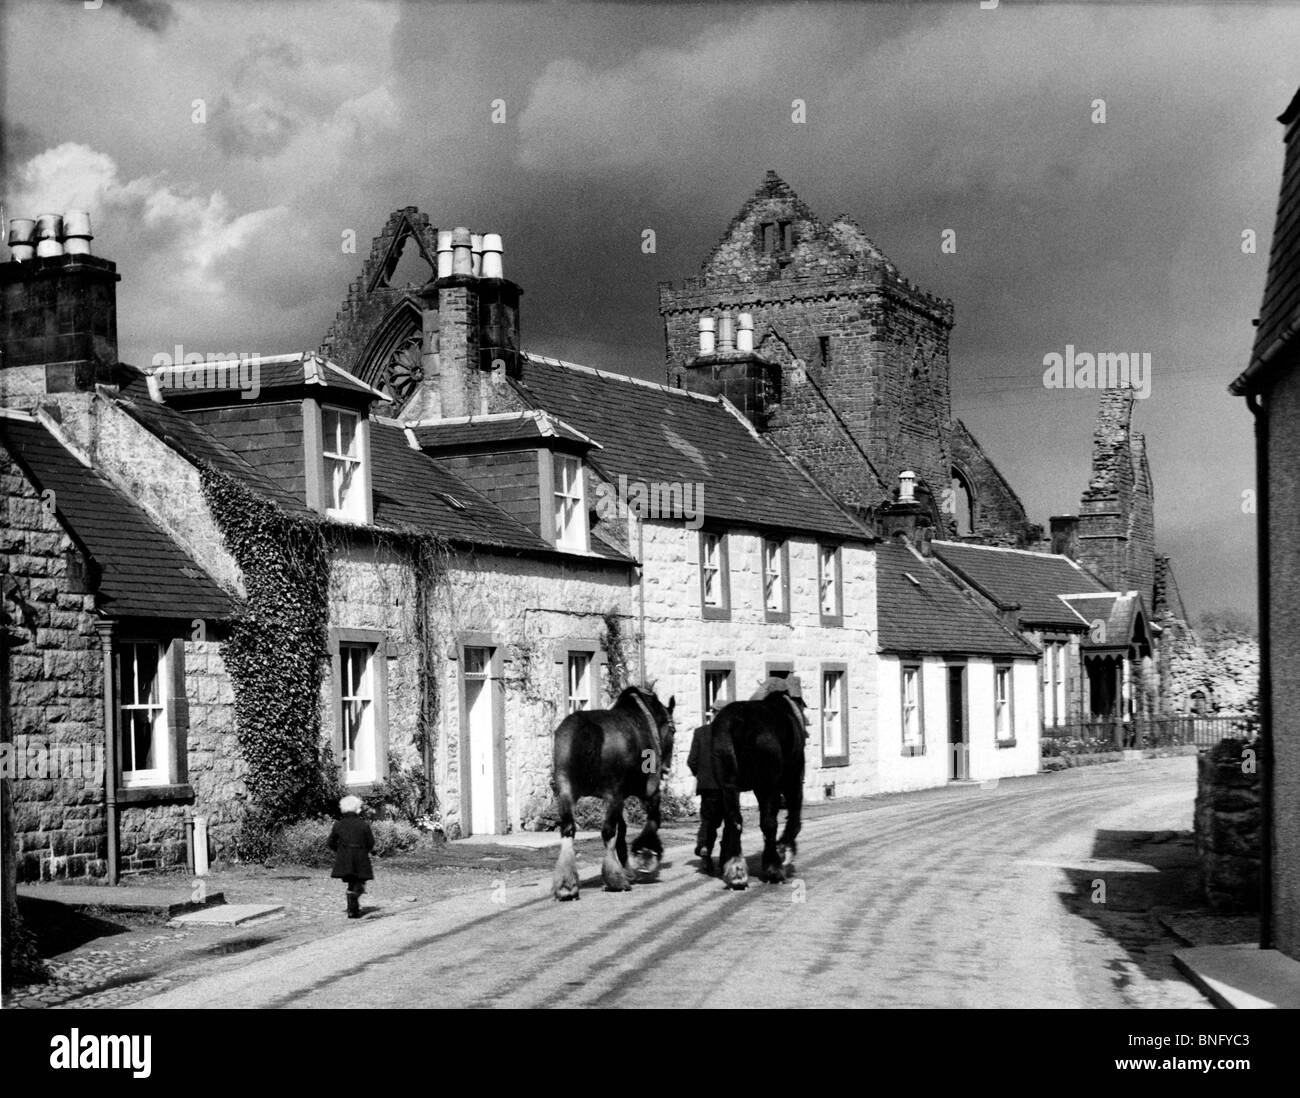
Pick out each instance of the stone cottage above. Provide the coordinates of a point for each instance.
(1271, 386)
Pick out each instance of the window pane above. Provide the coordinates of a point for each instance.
(347, 437)
(579, 681)
(832, 713)
(476, 661)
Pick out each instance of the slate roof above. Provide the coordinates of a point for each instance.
(1034, 581)
(411, 490)
(144, 572)
(1280, 308)
(268, 371)
(929, 613)
(1120, 611)
(654, 433)
(478, 432)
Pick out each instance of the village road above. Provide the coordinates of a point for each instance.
(1014, 896)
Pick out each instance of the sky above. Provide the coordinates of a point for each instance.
(226, 149)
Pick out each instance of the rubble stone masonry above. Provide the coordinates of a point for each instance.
(56, 686)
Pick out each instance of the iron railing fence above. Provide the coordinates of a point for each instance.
(1092, 737)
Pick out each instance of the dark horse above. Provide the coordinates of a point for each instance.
(614, 754)
(759, 745)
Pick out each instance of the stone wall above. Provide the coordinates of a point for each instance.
(152, 836)
(56, 685)
(528, 610)
(1000, 517)
(1227, 822)
(1282, 406)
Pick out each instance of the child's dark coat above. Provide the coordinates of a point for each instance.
(352, 840)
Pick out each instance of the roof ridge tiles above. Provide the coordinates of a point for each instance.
(613, 376)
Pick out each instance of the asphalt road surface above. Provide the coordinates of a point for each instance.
(964, 897)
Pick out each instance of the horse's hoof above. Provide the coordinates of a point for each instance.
(613, 874)
(774, 874)
(735, 874)
(647, 865)
(706, 864)
(564, 881)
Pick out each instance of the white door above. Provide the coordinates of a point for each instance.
(482, 762)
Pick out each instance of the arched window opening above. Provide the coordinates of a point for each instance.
(962, 504)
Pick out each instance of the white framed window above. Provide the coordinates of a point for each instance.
(1003, 727)
(719, 688)
(1055, 655)
(776, 578)
(913, 719)
(578, 679)
(829, 584)
(1062, 714)
(570, 508)
(357, 707)
(344, 464)
(143, 731)
(715, 593)
(834, 719)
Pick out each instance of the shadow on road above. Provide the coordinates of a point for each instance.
(1130, 880)
(59, 928)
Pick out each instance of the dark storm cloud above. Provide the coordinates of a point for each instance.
(153, 15)
(323, 117)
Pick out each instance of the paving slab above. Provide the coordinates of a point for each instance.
(228, 915)
(534, 840)
(1242, 977)
(150, 899)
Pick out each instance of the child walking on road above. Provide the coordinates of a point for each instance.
(352, 841)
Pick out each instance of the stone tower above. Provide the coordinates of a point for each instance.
(1116, 530)
(844, 362)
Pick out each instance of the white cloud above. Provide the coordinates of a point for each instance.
(189, 232)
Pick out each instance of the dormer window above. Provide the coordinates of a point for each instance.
(570, 504)
(343, 453)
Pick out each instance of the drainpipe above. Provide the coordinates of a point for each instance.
(640, 556)
(1265, 675)
(105, 629)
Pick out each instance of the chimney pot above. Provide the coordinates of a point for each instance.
(49, 235)
(708, 335)
(462, 262)
(906, 485)
(76, 232)
(726, 333)
(444, 253)
(22, 238)
(492, 249)
(476, 254)
(745, 332)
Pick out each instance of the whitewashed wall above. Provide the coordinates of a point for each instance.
(679, 639)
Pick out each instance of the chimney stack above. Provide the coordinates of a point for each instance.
(58, 308)
(1065, 535)
(905, 517)
(477, 321)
